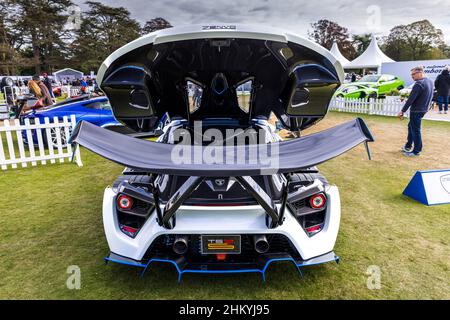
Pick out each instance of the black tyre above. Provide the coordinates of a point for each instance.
(305, 179)
(373, 95)
(6, 82)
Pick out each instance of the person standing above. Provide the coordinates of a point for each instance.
(40, 91)
(48, 84)
(33, 85)
(83, 86)
(419, 101)
(442, 85)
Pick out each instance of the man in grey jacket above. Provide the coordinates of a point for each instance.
(419, 101)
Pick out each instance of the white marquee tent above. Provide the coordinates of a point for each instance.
(371, 58)
(67, 73)
(339, 56)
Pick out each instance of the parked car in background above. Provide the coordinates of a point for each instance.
(96, 110)
(356, 91)
(384, 83)
(405, 92)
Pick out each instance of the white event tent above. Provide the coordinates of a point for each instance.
(339, 56)
(67, 73)
(371, 58)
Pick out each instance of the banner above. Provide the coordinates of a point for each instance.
(403, 69)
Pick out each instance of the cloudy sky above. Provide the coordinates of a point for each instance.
(359, 16)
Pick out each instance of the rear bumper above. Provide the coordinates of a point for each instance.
(296, 246)
(243, 220)
(261, 266)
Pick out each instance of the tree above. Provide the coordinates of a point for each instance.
(361, 42)
(39, 25)
(325, 32)
(156, 24)
(419, 40)
(445, 49)
(103, 30)
(8, 56)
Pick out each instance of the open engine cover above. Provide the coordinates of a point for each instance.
(158, 73)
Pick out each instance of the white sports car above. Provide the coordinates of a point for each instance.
(219, 192)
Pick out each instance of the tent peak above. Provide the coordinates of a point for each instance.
(339, 56)
(372, 57)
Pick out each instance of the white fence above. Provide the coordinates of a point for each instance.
(38, 142)
(73, 91)
(4, 109)
(384, 107)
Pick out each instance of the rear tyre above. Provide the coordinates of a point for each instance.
(54, 139)
(6, 82)
(305, 179)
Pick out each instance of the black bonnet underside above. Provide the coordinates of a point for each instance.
(293, 81)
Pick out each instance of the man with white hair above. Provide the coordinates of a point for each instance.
(419, 101)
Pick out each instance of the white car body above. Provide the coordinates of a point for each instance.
(221, 217)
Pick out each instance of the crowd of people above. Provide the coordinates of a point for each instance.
(44, 89)
(53, 87)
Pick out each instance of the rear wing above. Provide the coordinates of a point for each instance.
(281, 157)
(240, 162)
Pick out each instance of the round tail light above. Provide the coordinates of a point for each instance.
(124, 202)
(317, 201)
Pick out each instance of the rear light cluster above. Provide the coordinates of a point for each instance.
(310, 213)
(314, 229)
(132, 214)
(124, 202)
(317, 201)
(129, 231)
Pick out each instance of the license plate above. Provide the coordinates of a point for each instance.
(220, 244)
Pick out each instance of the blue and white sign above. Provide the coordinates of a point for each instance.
(402, 69)
(430, 187)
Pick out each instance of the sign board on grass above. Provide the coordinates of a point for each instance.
(430, 187)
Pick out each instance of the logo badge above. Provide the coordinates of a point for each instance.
(221, 27)
(445, 182)
(219, 182)
(217, 244)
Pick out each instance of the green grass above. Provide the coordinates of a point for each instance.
(51, 219)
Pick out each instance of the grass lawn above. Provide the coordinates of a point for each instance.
(51, 219)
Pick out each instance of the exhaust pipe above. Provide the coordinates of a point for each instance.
(261, 243)
(180, 245)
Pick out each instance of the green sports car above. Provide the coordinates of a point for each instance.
(371, 86)
(356, 91)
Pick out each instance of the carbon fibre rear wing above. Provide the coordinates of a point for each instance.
(292, 155)
(158, 158)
